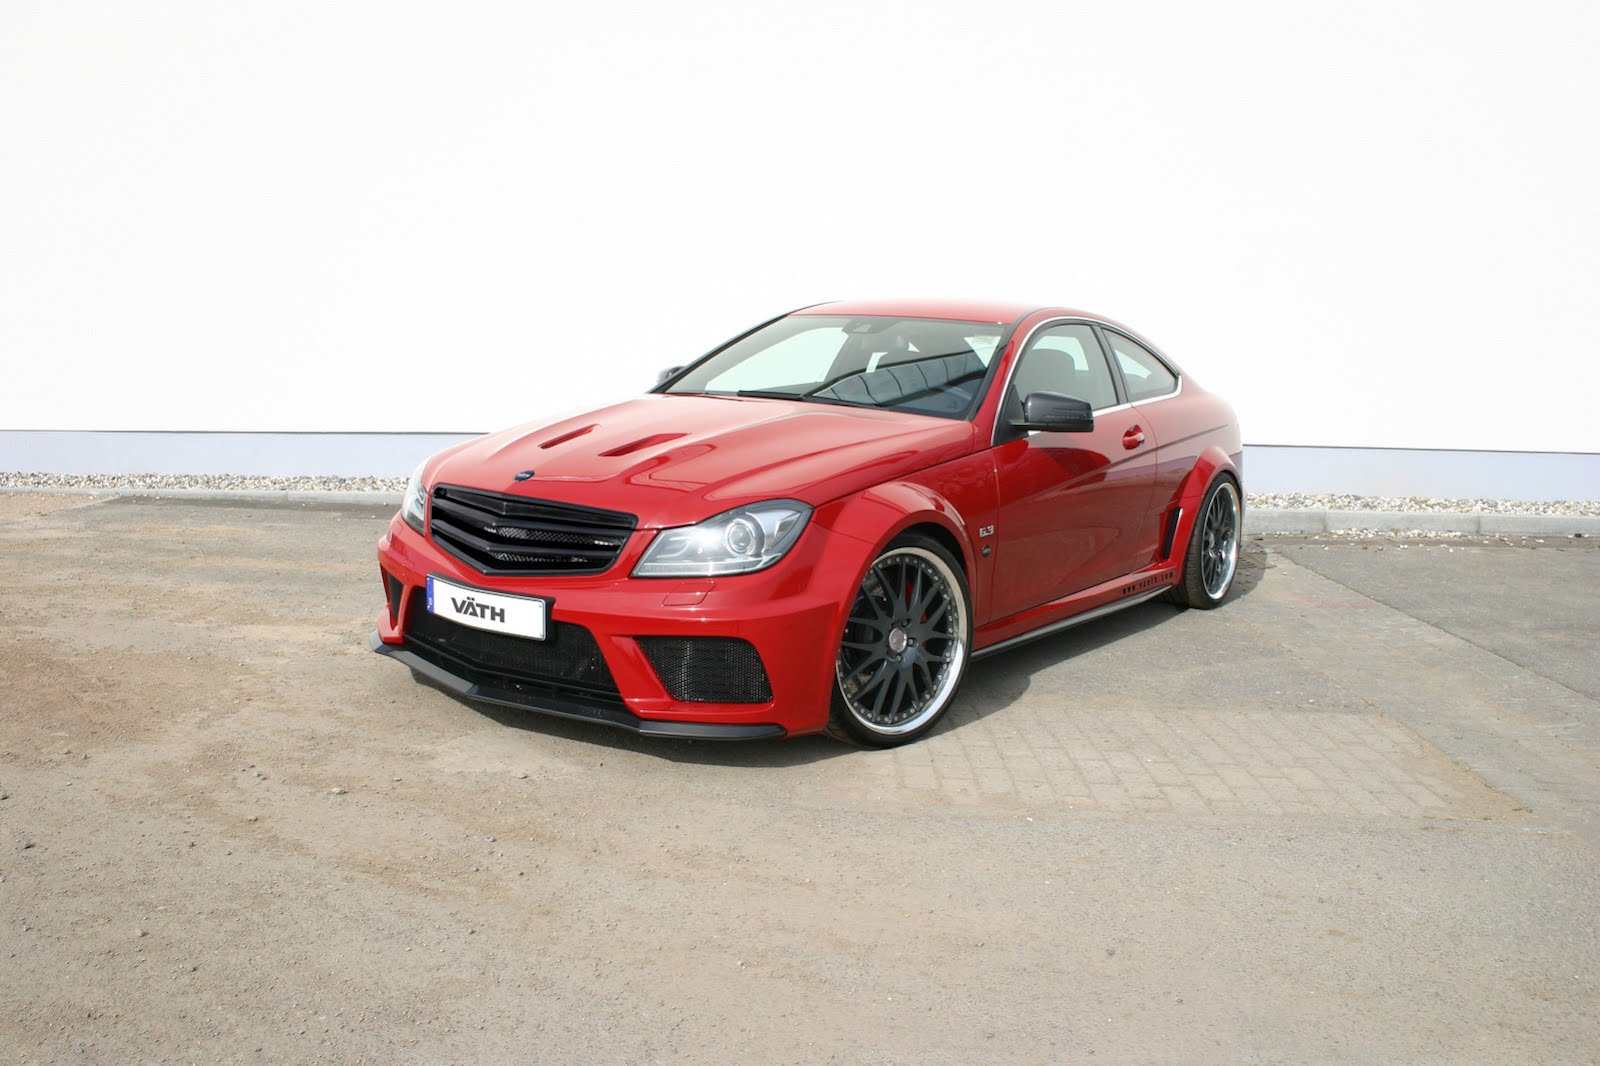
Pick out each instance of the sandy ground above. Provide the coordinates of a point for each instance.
(231, 833)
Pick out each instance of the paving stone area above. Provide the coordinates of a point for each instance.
(1188, 760)
(1521, 732)
(1364, 712)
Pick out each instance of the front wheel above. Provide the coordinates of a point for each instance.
(904, 647)
(1213, 554)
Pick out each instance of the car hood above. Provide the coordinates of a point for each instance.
(674, 460)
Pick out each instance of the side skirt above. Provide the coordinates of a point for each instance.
(1073, 620)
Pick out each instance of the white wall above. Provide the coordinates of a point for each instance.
(1367, 224)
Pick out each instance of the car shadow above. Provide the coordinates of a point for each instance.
(991, 685)
(994, 684)
(755, 753)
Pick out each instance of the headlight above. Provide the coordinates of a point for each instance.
(414, 505)
(734, 542)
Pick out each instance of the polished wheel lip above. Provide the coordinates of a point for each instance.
(938, 602)
(1219, 541)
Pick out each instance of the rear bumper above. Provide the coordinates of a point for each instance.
(509, 695)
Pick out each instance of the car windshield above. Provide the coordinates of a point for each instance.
(917, 365)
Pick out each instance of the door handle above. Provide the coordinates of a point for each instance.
(1133, 438)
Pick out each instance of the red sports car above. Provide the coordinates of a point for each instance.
(815, 527)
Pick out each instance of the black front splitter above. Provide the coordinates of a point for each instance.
(616, 717)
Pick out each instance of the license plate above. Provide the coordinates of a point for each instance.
(520, 616)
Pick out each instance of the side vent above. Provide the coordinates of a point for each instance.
(1171, 532)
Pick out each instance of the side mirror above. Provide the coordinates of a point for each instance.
(667, 375)
(1052, 412)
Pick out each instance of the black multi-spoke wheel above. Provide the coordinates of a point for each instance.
(1213, 554)
(904, 646)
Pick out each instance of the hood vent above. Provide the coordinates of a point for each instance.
(574, 435)
(642, 443)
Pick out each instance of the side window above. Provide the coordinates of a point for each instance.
(1065, 359)
(1145, 375)
(802, 359)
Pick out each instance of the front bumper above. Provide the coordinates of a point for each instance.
(509, 695)
(791, 614)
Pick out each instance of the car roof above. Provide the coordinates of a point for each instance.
(996, 311)
(955, 310)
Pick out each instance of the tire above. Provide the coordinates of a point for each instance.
(1212, 558)
(904, 647)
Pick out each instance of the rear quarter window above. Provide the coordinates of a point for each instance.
(1146, 376)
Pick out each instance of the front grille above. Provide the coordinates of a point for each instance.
(568, 662)
(499, 534)
(708, 669)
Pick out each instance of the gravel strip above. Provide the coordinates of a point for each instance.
(207, 482)
(1306, 501)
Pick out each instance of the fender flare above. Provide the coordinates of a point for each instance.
(1212, 463)
(877, 515)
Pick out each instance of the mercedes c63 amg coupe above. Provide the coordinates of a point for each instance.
(818, 525)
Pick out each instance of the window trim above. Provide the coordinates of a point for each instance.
(1119, 397)
(997, 436)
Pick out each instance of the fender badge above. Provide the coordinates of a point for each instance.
(524, 475)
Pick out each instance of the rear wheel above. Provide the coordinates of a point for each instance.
(1213, 554)
(904, 648)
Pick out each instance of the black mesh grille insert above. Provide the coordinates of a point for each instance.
(708, 669)
(499, 534)
(568, 662)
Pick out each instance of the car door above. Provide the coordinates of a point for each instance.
(1075, 508)
(1146, 381)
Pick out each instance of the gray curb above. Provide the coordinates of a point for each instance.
(1477, 523)
(1256, 519)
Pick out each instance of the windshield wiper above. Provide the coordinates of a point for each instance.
(803, 397)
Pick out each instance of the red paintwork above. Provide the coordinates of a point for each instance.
(1079, 518)
(673, 460)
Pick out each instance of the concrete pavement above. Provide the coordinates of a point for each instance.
(1348, 817)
